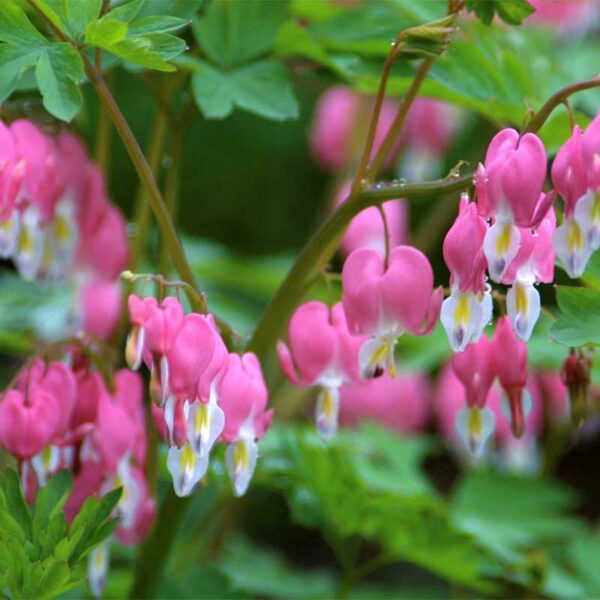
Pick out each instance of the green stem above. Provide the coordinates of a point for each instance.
(154, 553)
(141, 213)
(392, 135)
(322, 246)
(370, 139)
(155, 199)
(103, 141)
(541, 116)
(171, 190)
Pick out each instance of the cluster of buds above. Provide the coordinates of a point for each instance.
(201, 393)
(60, 417)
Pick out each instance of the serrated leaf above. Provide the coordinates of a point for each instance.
(231, 32)
(58, 70)
(155, 24)
(16, 28)
(262, 88)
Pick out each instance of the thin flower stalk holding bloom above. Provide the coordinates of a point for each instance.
(468, 309)
(321, 352)
(383, 301)
(576, 177)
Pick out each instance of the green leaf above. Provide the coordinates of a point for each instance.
(297, 41)
(514, 11)
(167, 45)
(105, 32)
(14, 61)
(80, 14)
(50, 500)
(262, 88)
(262, 573)
(232, 32)
(127, 12)
(58, 70)
(71, 17)
(16, 28)
(184, 9)
(510, 514)
(140, 51)
(326, 491)
(155, 24)
(510, 11)
(17, 507)
(579, 323)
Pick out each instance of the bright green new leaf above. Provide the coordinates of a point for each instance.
(140, 51)
(50, 500)
(231, 33)
(262, 88)
(105, 32)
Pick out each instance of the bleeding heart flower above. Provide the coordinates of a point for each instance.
(384, 301)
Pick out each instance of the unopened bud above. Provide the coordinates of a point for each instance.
(575, 374)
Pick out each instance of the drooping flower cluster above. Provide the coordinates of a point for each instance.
(201, 393)
(60, 417)
(55, 217)
(549, 402)
(477, 367)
